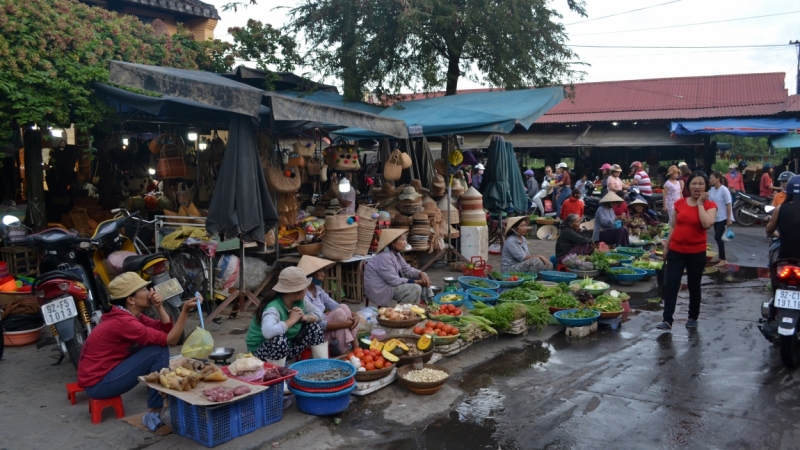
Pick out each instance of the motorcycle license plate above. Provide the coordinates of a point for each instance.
(169, 288)
(59, 310)
(787, 299)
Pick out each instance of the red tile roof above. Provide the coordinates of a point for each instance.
(755, 94)
(792, 104)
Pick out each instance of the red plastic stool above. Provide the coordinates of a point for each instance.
(306, 354)
(561, 268)
(96, 408)
(72, 389)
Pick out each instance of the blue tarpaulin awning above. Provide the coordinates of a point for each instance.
(789, 140)
(737, 127)
(481, 112)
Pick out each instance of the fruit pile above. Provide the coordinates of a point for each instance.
(401, 312)
(440, 329)
(446, 309)
(374, 358)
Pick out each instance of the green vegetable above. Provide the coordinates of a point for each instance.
(623, 272)
(564, 301)
(481, 294)
(496, 275)
(579, 314)
(518, 295)
(607, 303)
(599, 261)
(479, 283)
(479, 304)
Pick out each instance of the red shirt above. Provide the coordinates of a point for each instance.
(685, 179)
(571, 205)
(735, 183)
(110, 343)
(689, 236)
(621, 209)
(766, 185)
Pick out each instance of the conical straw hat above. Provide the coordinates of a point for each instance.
(311, 264)
(388, 236)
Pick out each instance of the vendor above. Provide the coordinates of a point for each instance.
(607, 225)
(571, 241)
(638, 216)
(516, 257)
(338, 325)
(284, 324)
(388, 277)
(127, 344)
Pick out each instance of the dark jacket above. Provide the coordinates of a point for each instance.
(569, 239)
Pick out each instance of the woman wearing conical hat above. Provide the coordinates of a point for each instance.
(516, 257)
(388, 278)
(338, 324)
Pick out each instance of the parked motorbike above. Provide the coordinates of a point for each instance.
(749, 209)
(781, 313)
(71, 298)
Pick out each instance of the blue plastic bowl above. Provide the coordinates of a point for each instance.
(438, 297)
(509, 284)
(486, 300)
(493, 285)
(626, 278)
(557, 277)
(525, 276)
(575, 322)
(320, 365)
(632, 251)
(322, 404)
(650, 272)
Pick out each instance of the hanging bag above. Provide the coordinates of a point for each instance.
(393, 168)
(313, 167)
(171, 163)
(305, 150)
(343, 158)
(278, 180)
(405, 160)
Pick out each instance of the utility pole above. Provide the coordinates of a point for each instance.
(796, 44)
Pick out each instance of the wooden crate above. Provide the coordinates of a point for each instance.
(21, 260)
(351, 282)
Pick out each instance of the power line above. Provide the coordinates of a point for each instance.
(670, 46)
(621, 13)
(627, 55)
(689, 24)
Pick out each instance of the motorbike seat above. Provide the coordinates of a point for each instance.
(56, 274)
(656, 197)
(135, 263)
(758, 198)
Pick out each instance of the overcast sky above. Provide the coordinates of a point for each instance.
(608, 64)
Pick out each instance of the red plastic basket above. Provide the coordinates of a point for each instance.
(332, 390)
(480, 268)
(262, 383)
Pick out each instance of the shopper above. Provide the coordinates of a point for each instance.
(516, 257)
(685, 249)
(605, 172)
(721, 196)
(572, 205)
(614, 183)
(673, 189)
(581, 184)
(531, 188)
(571, 241)
(641, 179)
(783, 179)
(563, 186)
(607, 225)
(765, 186)
(684, 178)
(735, 179)
(338, 324)
(477, 176)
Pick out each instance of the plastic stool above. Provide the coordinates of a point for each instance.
(561, 268)
(96, 408)
(306, 354)
(72, 389)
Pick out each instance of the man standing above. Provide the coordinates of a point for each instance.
(477, 176)
(642, 180)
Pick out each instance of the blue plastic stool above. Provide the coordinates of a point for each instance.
(614, 323)
(553, 260)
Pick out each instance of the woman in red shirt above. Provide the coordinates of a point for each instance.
(686, 248)
(572, 205)
(765, 188)
(127, 344)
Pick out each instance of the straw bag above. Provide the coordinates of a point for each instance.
(171, 163)
(277, 181)
(306, 150)
(343, 158)
(366, 229)
(405, 160)
(341, 238)
(313, 167)
(156, 144)
(393, 168)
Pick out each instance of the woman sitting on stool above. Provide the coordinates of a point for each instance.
(284, 324)
(605, 223)
(516, 257)
(570, 241)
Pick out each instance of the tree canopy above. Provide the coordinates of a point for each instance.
(52, 50)
(389, 45)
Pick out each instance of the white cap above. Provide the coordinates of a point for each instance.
(561, 165)
(479, 166)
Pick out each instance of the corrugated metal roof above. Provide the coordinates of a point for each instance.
(792, 104)
(673, 98)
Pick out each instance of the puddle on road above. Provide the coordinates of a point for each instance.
(482, 406)
(506, 364)
(453, 433)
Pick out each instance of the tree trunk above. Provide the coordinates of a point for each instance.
(453, 73)
(351, 78)
(34, 178)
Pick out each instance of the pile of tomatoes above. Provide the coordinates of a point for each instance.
(448, 310)
(370, 359)
(436, 329)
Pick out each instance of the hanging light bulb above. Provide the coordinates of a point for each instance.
(344, 185)
(203, 144)
(151, 171)
(125, 141)
(55, 132)
(192, 136)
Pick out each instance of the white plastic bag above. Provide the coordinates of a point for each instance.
(728, 235)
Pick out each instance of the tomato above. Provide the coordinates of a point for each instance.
(429, 330)
(359, 353)
(454, 332)
(387, 364)
(370, 367)
(380, 360)
(458, 312)
(430, 324)
(418, 330)
(439, 326)
(368, 359)
(378, 364)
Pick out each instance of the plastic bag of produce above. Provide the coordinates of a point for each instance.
(198, 345)
(367, 318)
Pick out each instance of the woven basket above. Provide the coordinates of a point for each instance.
(339, 244)
(366, 231)
(408, 207)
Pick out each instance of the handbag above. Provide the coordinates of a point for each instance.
(343, 158)
(295, 160)
(278, 181)
(306, 150)
(393, 168)
(171, 163)
(313, 167)
(405, 160)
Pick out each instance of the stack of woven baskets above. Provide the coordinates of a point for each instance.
(401, 221)
(367, 219)
(420, 230)
(456, 188)
(439, 187)
(410, 201)
(341, 237)
(453, 210)
(472, 213)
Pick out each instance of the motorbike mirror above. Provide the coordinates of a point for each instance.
(769, 209)
(85, 245)
(11, 221)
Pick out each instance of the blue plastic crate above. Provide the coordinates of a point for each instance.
(320, 365)
(214, 425)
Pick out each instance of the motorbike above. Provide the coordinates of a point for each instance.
(780, 315)
(545, 203)
(72, 300)
(749, 209)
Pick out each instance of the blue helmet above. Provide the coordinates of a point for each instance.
(793, 187)
(767, 166)
(529, 172)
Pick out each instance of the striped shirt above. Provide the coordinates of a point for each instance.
(645, 187)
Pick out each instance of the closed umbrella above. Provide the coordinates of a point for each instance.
(502, 185)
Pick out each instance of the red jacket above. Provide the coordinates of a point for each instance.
(571, 205)
(114, 340)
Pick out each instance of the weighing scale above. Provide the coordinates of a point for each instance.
(451, 284)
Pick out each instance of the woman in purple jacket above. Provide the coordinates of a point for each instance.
(388, 277)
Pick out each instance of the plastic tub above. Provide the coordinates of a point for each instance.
(575, 322)
(491, 300)
(320, 365)
(461, 295)
(557, 277)
(463, 281)
(322, 404)
(20, 338)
